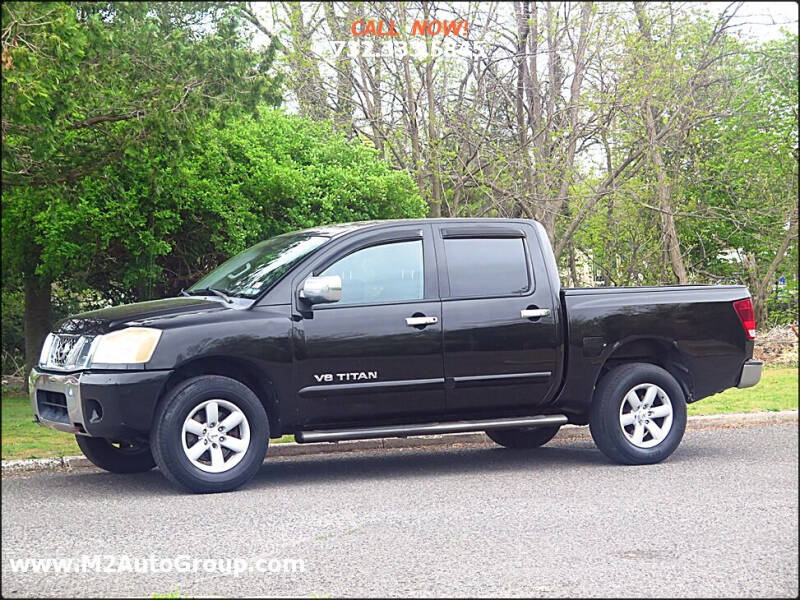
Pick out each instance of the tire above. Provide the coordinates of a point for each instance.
(122, 458)
(640, 436)
(227, 459)
(522, 438)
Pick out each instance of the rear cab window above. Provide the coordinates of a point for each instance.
(487, 264)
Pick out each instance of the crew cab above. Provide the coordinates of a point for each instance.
(387, 329)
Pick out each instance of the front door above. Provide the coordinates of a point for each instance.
(501, 335)
(376, 354)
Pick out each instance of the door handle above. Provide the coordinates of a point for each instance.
(534, 313)
(421, 321)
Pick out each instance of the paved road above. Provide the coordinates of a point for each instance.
(718, 519)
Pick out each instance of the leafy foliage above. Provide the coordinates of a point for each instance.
(140, 148)
(148, 226)
(741, 170)
(89, 84)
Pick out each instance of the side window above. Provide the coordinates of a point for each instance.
(486, 266)
(385, 273)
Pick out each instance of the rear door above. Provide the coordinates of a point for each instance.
(501, 335)
(375, 355)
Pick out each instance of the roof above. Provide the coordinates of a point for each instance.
(336, 229)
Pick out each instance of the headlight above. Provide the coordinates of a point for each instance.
(131, 345)
(45, 353)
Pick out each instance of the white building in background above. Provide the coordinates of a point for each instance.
(585, 271)
(730, 254)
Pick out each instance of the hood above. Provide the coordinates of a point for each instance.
(106, 319)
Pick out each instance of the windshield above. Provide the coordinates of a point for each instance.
(253, 271)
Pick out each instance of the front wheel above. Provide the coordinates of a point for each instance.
(522, 438)
(210, 434)
(638, 414)
(116, 457)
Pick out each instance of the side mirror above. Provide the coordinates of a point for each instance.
(319, 290)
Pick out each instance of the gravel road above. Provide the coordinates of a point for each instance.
(719, 518)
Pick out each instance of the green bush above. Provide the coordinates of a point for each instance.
(156, 222)
(160, 218)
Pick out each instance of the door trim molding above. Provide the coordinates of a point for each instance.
(507, 379)
(405, 385)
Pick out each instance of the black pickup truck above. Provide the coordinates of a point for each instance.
(387, 329)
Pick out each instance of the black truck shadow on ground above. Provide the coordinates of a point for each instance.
(373, 465)
(433, 462)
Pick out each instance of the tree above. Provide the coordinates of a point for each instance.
(738, 179)
(86, 85)
(256, 178)
(147, 226)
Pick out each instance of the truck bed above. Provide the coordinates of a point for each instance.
(693, 327)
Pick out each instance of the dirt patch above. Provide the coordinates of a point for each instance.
(13, 385)
(778, 346)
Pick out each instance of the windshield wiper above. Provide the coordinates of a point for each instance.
(215, 291)
(221, 294)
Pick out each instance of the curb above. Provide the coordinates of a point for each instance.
(567, 432)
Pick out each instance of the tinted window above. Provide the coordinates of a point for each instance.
(486, 266)
(385, 273)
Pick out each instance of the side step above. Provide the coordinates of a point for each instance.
(305, 437)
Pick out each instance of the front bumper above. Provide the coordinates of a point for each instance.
(751, 374)
(112, 405)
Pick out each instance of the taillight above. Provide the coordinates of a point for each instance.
(744, 309)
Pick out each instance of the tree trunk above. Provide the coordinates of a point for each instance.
(672, 247)
(524, 155)
(565, 170)
(760, 290)
(343, 115)
(671, 240)
(760, 307)
(410, 110)
(306, 76)
(38, 317)
(433, 138)
(573, 271)
(377, 102)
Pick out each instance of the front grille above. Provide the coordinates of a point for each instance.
(66, 352)
(52, 406)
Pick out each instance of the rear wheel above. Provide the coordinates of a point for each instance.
(116, 457)
(523, 437)
(210, 434)
(638, 415)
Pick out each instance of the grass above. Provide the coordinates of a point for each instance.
(777, 390)
(22, 438)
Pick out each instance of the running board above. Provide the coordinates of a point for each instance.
(305, 437)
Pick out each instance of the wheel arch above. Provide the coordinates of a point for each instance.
(243, 371)
(662, 352)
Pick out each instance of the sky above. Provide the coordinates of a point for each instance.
(759, 20)
(764, 20)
